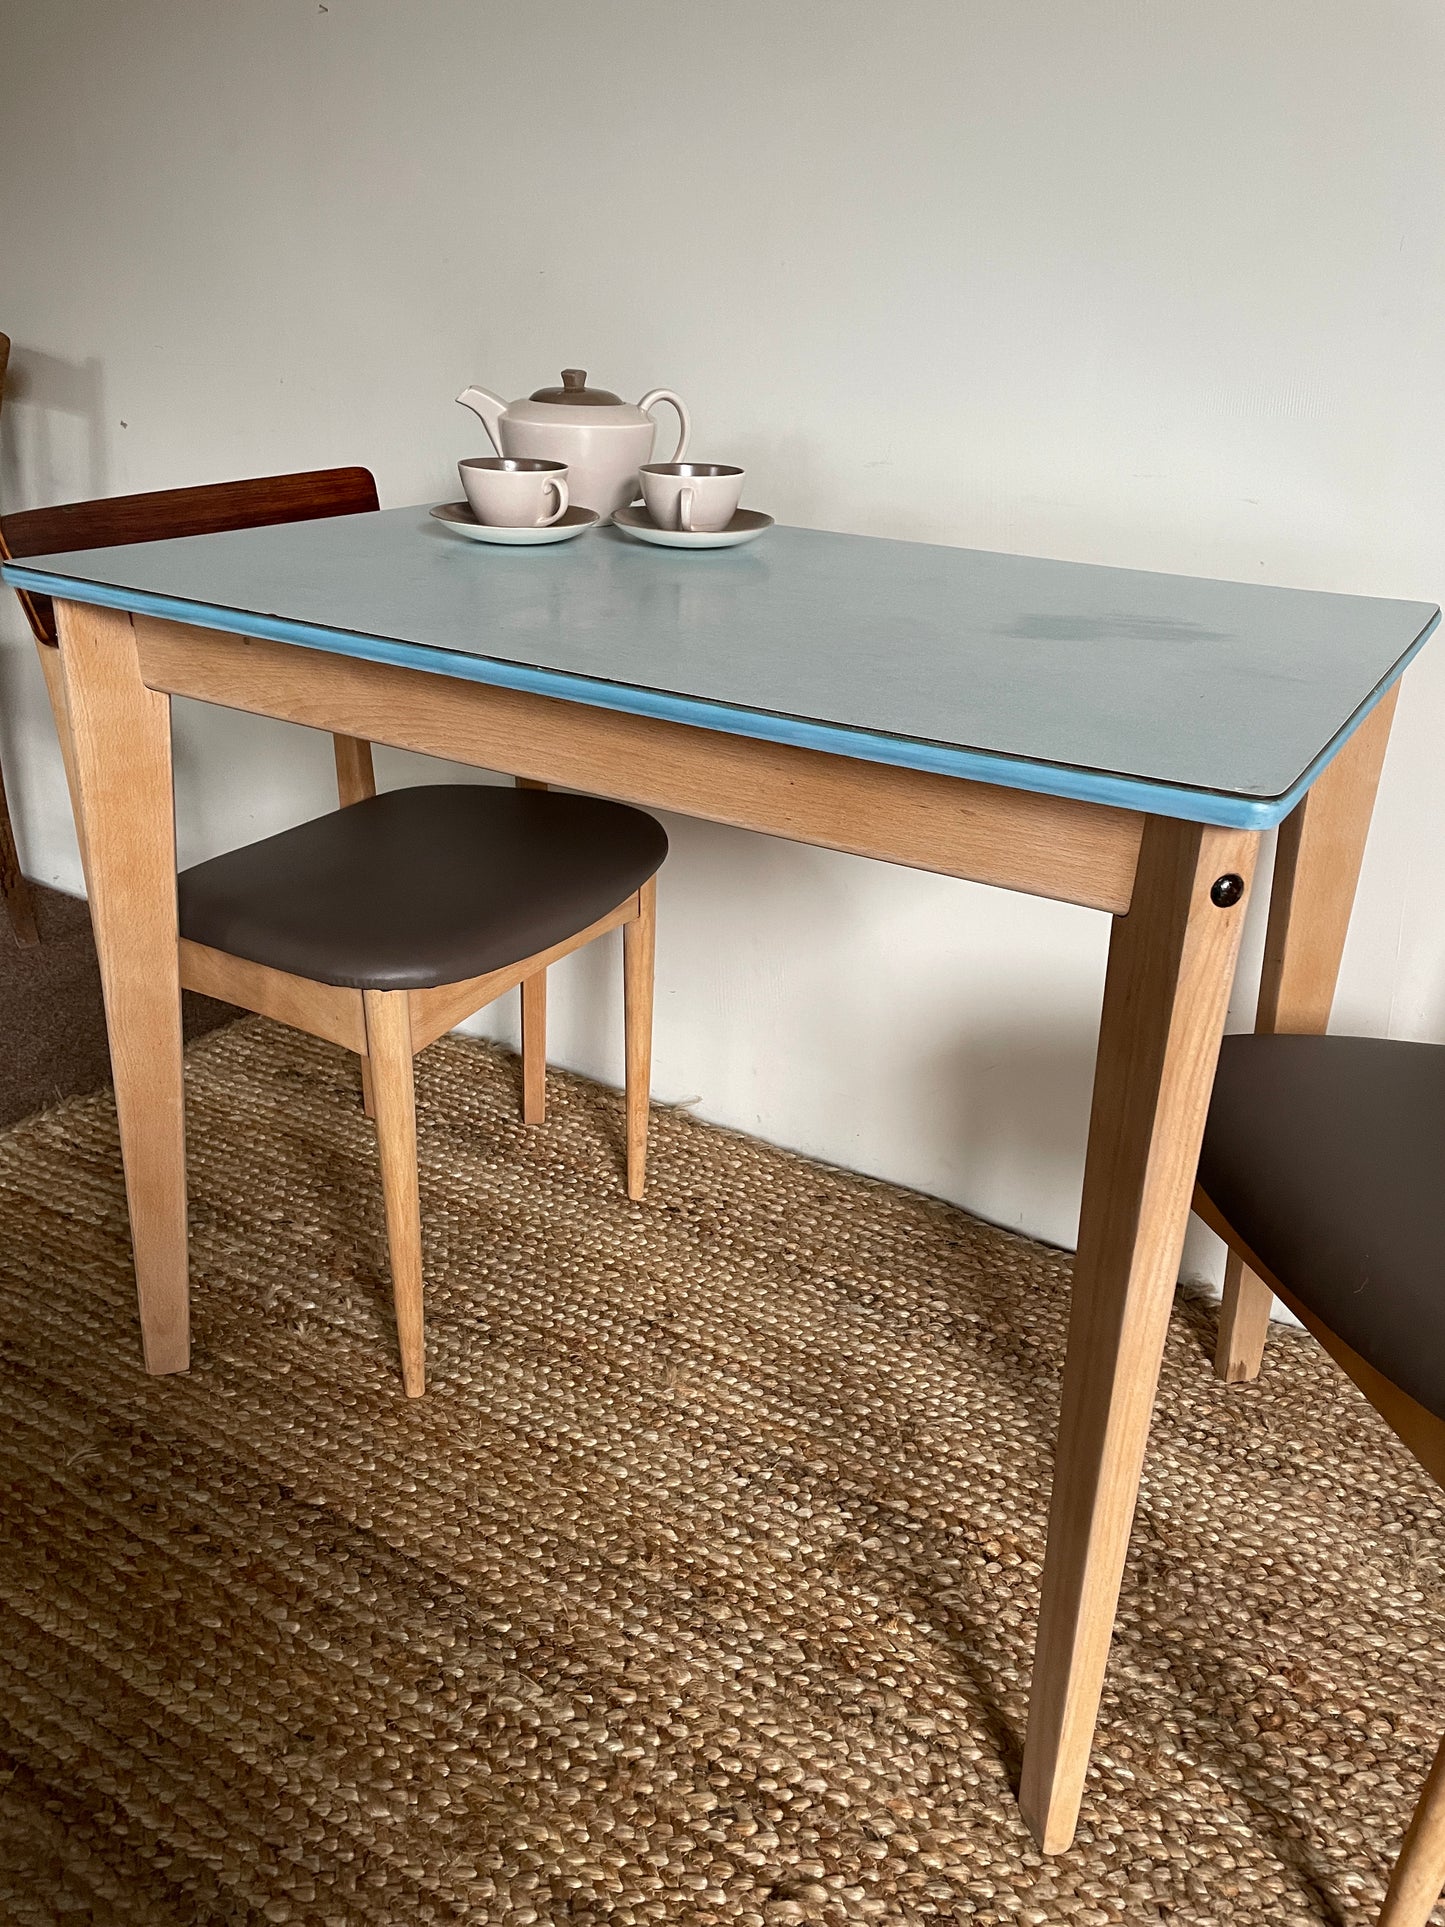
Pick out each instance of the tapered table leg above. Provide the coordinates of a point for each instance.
(1171, 962)
(1318, 853)
(120, 742)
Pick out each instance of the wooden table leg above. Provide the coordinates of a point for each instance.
(1171, 962)
(1316, 868)
(120, 741)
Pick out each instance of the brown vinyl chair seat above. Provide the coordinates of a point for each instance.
(419, 887)
(1327, 1156)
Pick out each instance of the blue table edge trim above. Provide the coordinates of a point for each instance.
(1079, 785)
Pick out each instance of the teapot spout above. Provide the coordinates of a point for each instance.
(490, 407)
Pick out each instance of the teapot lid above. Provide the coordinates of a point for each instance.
(575, 392)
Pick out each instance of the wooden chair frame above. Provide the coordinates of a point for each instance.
(384, 1028)
(1317, 858)
(160, 515)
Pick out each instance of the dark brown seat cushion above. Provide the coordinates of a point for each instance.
(1327, 1155)
(422, 886)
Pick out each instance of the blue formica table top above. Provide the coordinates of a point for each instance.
(1214, 701)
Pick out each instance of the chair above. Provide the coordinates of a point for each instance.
(383, 924)
(1322, 1170)
(13, 887)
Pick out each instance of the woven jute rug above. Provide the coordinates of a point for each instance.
(699, 1588)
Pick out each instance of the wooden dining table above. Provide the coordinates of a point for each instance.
(1101, 736)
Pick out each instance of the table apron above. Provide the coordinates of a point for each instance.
(1047, 846)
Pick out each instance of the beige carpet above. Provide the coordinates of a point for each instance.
(701, 1586)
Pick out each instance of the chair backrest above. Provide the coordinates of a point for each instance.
(155, 517)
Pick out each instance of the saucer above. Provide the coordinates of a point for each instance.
(746, 526)
(458, 516)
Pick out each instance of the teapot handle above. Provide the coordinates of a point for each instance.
(650, 401)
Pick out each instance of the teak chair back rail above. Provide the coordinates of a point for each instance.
(162, 515)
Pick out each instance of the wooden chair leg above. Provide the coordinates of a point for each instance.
(1316, 866)
(1243, 1323)
(534, 1025)
(13, 887)
(1419, 1876)
(534, 1048)
(639, 939)
(50, 664)
(388, 1040)
(355, 781)
(355, 777)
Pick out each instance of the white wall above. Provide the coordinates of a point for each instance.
(1153, 284)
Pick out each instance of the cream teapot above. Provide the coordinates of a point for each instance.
(603, 440)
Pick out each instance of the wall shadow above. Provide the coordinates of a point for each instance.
(37, 464)
(1008, 1109)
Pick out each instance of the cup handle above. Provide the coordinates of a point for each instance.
(561, 488)
(650, 401)
(684, 510)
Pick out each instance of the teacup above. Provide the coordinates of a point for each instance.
(692, 496)
(508, 493)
